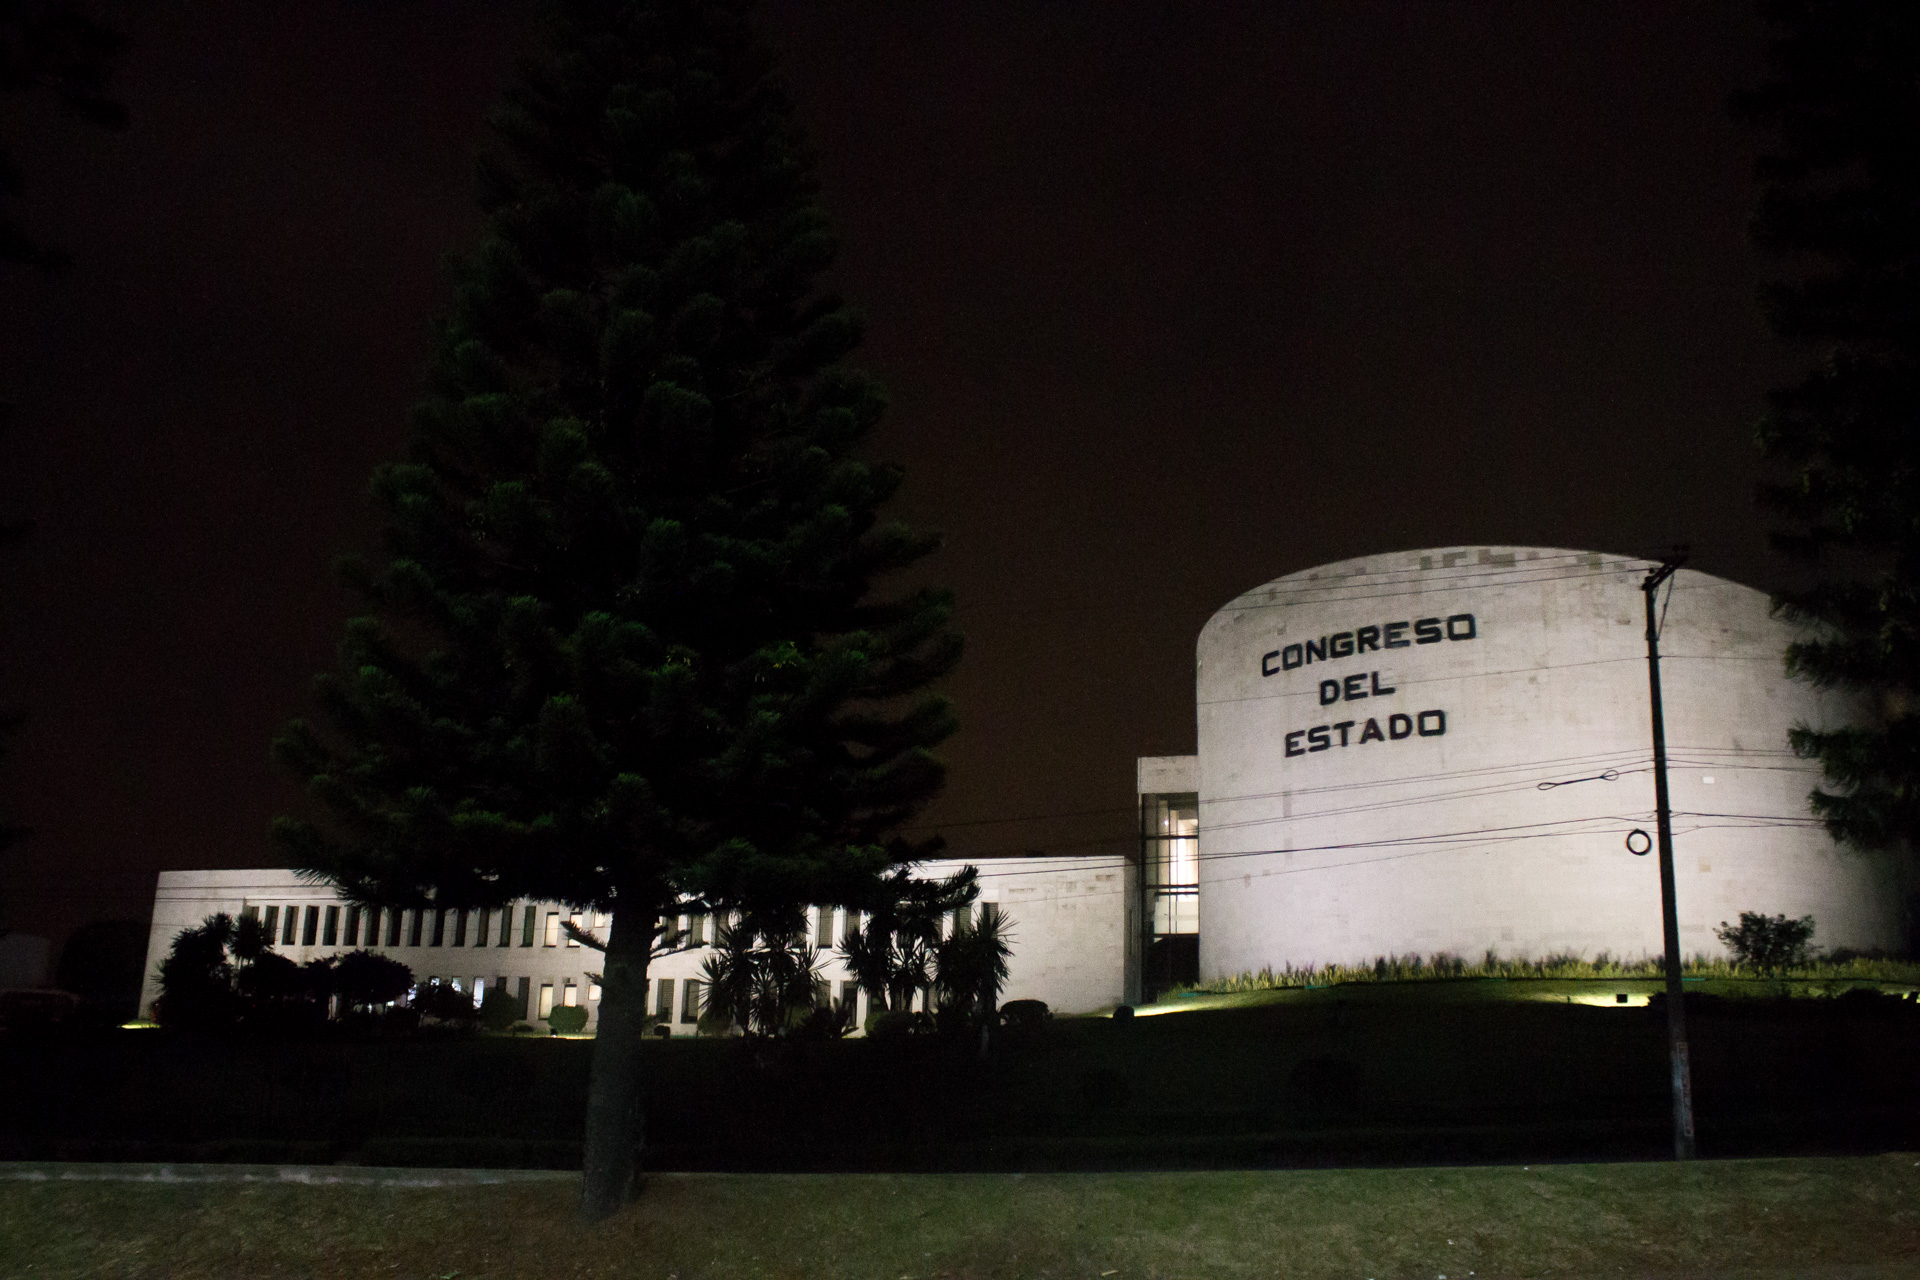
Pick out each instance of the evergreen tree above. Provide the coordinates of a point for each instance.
(1840, 205)
(620, 650)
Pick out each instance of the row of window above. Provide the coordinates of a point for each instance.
(356, 926)
(334, 925)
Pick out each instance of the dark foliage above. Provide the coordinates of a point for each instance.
(223, 974)
(500, 1009)
(568, 1020)
(364, 980)
(1767, 943)
(443, 1002)
(1840, 207)
(893, 953)
(621, 649)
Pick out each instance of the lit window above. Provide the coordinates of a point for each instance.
(454, 983)
(553, 929)
(569, 994)
(479, 991)
(593, 992)
(573, 920)
(546, 998)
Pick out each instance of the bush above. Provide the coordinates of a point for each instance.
(568, 1019)
(1024, 1014)
(363, 979)
(890, 1024)
(500, 1010)
(445, 1002)
(1768, 943)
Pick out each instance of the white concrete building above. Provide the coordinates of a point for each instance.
(1444, 751)
(1428, 752)
(1065, 928)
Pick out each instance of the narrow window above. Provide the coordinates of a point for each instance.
(553, 929)
(460, 927)
(479, 990)
(823, 927)
(526, 926)
(419, 927)
(593, 991)
(962, 919)
(690, 1000)
(849, 925)
(330, 936)
(520, 990)
(569, 994)
(272, 922)
(698, 936)
(506, 925)
(663, 1008)
(440, 926)
(482, 924)
(546, 998)
(574, 920)
(293, 926)
(850, 999)
(393, 926)
(249, 913)
(353, 926)
(312, 930)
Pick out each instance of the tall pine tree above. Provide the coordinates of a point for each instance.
(1840, 206)
(621, 648)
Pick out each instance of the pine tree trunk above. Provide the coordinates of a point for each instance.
(611, 1167)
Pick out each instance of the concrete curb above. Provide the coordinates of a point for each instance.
(303, 1175)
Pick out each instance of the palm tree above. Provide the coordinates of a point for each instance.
(971, 970)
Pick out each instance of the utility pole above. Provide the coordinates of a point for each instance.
(1683, 1146)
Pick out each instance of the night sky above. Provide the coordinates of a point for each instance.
(1172, 298)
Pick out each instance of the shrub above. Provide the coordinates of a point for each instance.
(1024, 1014)
(445, 1002)
(1768, 943)
(500, 1009)
(568, 1019)
(889, 1024)
(363, 979)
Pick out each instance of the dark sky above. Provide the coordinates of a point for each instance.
(1173, 298)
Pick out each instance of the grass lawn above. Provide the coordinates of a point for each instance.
(1838, 1217)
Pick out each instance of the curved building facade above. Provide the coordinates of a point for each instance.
(1444, 750)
